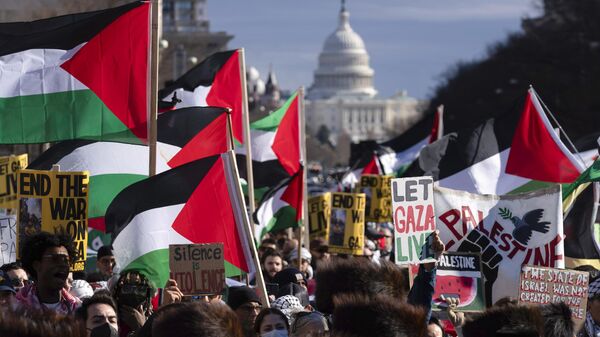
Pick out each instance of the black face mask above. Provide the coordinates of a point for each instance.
(131, 300)
(104, 330)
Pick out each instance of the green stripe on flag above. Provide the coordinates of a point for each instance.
(271, 122)
(78, 114)
(532, 185)
(284, 218)
(105, 187)
(155, 265)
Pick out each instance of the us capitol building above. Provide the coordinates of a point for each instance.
(342, 99)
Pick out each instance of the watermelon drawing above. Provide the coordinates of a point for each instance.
(452, 285)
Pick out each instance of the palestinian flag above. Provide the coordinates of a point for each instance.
(392, 157)
(216, 81)
(197, 202)
(275, 146)
(515, 152)
(79, 76)
(281, 206)
(184, 135)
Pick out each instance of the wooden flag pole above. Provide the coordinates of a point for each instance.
(230, 139)
(304, 162)
(156, 25)
(247, 139)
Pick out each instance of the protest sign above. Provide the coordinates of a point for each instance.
(199, 269)
(319, 213)
(414, 219)
(378, 206)
(458, 275)
(53, 201)
(8, 236)
(347, 224)
(540, 285)
(8, 179)
(509, 231)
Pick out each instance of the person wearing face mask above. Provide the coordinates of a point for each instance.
(271, 322)
(133, 294)
(99, 314)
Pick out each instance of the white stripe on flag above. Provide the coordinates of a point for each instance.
(190, 98)
(392, 162)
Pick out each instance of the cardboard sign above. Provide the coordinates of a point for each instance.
(540, 285)
(414, 219)
(458, 275)
(319, 214)
(8, 236)
(52, 201)
(378, 207)
(510, 231)
(347, 225)
(199, 269)
(8, 179)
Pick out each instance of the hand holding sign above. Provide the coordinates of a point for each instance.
(171, 293)
(438, 248)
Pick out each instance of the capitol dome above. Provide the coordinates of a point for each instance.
(344, 69)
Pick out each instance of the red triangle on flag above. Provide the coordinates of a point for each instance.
(208, 216)
(371, 167)
(293, 193)
(286, 144)
(114, 65)
(210, 141)
(536, 152)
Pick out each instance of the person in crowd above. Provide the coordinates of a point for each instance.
(309, 324)
(557, 320)
(27, 322)
(289, 246)
(133, 293)
(69, 282)
(265, 245)
(297, 291)
(290, 275)
(288, 305)
(81, 289)
(319, 250)
(7, 291)
(17, 274)
(196, 319)
(271, 322)
(99, 315)
(506, 320)
(105, 264)
(305, 267)
(386, 243)
(272, 263)
(435, 328)
(46, 257)
(359, 315)
(592, 320)
(245, 303)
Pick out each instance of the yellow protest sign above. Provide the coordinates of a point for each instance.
(53, 201)
(347, 224)
(319, 213)
(378, 207)
(8, 179)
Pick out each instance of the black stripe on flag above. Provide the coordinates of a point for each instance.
(169, 188)
(266, 174)
(201, 75)
(179, 126)
(62, 32)
(56, 152)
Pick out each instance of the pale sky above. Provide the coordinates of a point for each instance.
(410, 42)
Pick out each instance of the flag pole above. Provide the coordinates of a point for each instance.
(156, 25)
(304, 232)
(247, 140)
(230, 139)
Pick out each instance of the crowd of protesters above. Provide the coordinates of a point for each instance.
(310, 293)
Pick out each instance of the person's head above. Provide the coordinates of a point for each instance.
(306, 259)
(290, 275)
(319, 250)
(271, 322)
(17, 274)
(46, 257)
(34, 323)
(435, 328)
(296, 290)
(99, 314)
(557, 320)
(506, 320)
(388, 239)
(289, 305)
(7, 292)
(246, 305)
(133, 289)
(106, 261)
(593, 304)
(272, 262)
(266, 244)
(196, 319)
(309, 324)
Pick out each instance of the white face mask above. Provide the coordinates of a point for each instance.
(275, 333)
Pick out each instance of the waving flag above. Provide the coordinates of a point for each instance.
(79, 76)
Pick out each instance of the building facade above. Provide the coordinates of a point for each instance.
(343, 100)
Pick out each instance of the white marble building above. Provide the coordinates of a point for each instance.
(343, 98)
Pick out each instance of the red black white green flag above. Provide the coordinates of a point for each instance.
(79, 76)
(193, 203)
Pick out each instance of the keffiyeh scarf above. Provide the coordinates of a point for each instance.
(27, 297)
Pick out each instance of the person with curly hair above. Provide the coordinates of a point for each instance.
(47, 257)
